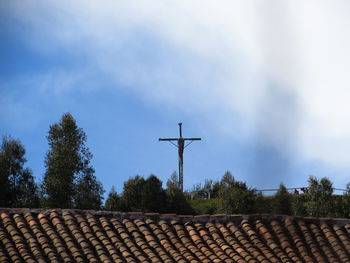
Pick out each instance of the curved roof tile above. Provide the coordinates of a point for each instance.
(63, 235)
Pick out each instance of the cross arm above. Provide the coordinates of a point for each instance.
(168, 139)
(192, 139)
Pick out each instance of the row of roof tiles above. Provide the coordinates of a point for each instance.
(99, 236)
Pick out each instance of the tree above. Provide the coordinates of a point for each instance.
(132, 193)
(28, 190)
(346, 202)
(282, 202)
(299, 205)
(69, 176)
(17, 186)
(208, 191)
(88, 192)
(175, 199)
(235, 196)
(174, 180)
(319, 197)
(153, 195)
(114, 202)
(144, 195)
(212, 187)
(262, 204)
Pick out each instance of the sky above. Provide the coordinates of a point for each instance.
(264, 84)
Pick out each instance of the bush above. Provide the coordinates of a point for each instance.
(235, 197)
(202, 206)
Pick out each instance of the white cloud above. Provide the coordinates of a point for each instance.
(278, 69)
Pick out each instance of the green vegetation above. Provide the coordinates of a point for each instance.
(234, 196)
(144, 195)
(176, 201)
(69, 182)
(17, 186)
(147, 195)
(282, 202)
(204, 206)
(319, 197)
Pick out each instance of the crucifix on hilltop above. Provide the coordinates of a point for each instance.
(181, 146)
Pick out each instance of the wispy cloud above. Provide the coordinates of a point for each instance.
(272, 73)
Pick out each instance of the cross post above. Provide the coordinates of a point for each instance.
(181, 146)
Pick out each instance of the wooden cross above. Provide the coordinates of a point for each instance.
(181, 146)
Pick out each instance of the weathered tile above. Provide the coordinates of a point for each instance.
(88, 236)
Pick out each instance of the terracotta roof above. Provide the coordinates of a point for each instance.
(99, 236)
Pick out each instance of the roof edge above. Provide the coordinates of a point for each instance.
(182, 218)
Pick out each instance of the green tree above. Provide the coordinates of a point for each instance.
(17, 186)
(153, 195)
(299, 205)
(132, 193)
(208, 191)
(144, 195)
(28, 189)
(203, 206)
(282, 202)
(235, 196)
(114, 202)
(319, 197)
(346, 202)
(88, 192)
(68, 166)
(262, 204)
(176, 201)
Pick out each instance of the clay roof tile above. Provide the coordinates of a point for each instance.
(99, 236)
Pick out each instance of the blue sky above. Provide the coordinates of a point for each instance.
(266, 86)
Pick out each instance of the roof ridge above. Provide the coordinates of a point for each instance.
(178, 217)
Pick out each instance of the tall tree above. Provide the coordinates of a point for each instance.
(17, 186)
(319, 197)
(69, 176)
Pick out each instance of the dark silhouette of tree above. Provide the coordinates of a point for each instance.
(153, 195)
(132, 193)
(282, 202)
(176, 201)
(17, 186)
(144, 195)
(263, 204)
(115, 202)
(88, 192)
(299, 205)
(346, 202)
(69, 178)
